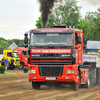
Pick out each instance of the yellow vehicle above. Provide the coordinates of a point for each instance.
(12, 54)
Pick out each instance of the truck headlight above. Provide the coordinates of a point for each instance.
(32, 71)
(70, 71)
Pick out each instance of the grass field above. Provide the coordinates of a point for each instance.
(12, 73)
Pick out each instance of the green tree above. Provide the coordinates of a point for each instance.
(90, 16)
(96, 26)
(65, 13)
(16, 41)
(94, 19)
(84, 25)
(21, 43)
(49, 23)
(4, 44)
(1, 38)
(39, 23)
(10, 41)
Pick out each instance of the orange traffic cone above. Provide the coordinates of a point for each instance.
(97, 96)
(17, 72)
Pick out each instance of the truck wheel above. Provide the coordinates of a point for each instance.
(87, 85)
(74, 86)
(21, 66)
(36, 85)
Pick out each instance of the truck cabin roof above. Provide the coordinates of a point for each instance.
(60, 30)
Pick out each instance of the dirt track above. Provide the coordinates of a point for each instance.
(19, 88)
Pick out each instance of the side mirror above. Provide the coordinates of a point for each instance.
(79, 40)
(26, 40)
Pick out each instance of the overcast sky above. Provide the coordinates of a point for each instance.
(19, 16)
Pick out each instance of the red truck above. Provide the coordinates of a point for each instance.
(55, 55)
(23, 57)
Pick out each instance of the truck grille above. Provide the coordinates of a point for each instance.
(50, 70)
(50, 59)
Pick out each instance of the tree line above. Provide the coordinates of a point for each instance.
(6, 43)
(68, 13)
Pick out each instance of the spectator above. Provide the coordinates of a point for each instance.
(3, 61)
(68, 41)
(6, 63)
(42, 40)
(12, 63)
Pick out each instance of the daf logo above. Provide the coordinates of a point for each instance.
(35, 55)
(66, 55)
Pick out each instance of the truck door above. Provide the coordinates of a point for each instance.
(79, 48)
(76, 48)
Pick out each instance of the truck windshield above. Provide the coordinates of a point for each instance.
(10, 54)
(51, 39)
(16, 54)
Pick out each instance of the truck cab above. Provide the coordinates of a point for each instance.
(22, 51)
(55, 55)
(9, 54)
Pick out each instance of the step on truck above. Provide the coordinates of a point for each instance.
(55, 55)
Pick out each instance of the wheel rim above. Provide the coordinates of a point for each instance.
(88, 82)
(76, 86)
(20, 66)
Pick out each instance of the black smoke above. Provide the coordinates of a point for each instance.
(46, 7)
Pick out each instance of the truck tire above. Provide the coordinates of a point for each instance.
(21, 66)
(87, 85)
(36, 85)
(74, 86)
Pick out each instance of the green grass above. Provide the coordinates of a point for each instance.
(11, 74)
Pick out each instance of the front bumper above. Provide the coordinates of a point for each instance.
(35, 77)
(62, 78)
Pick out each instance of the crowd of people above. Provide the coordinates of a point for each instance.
(7, 64)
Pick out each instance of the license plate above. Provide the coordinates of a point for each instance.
(50, 78)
